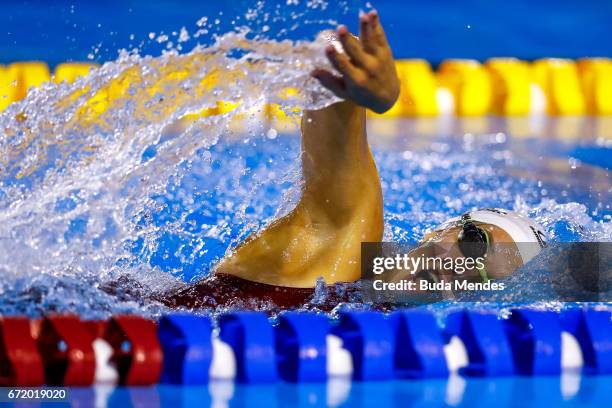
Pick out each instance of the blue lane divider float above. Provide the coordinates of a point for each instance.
(419, 350)
(593, 330)
(368, 336)
(251, 336)
(303, 346)
(485, 341)
(186, 343)
(535, 339)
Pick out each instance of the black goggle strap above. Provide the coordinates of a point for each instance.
(483, 274)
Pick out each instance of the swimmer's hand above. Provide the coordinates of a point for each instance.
(368, 76)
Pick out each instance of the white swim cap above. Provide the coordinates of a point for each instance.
(523, 231)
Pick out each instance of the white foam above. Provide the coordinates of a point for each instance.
(75, 162)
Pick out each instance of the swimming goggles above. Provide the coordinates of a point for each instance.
(473, 242)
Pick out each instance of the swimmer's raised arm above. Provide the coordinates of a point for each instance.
(367, 69)
(341, 204)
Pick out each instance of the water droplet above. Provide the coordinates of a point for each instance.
(272, 134)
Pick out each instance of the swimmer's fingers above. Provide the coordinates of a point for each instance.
(353, 48)
(366, 34)
(378, 33)
(342, 63)
(330, 81)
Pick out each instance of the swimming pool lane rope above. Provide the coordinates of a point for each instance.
(248, 347)
(500, 86)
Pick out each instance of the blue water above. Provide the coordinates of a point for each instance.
(427, 176)
(60, 30)
(426, 179)
(569, 391)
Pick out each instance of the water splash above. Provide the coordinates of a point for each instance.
(137, 170)
(81, 164)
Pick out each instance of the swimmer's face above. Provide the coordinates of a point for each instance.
(502, 257)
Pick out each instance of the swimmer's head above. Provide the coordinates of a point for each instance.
(506, 239)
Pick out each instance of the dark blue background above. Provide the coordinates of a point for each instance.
(60, 30)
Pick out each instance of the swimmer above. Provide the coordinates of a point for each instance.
(491, 243)
(341, 203)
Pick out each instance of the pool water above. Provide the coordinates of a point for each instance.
(427, 178)
(91, 191)
(239, 184)
(89, 194)
(569, 390)
(78, 30)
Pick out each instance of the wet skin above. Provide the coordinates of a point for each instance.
(502, 258)
(341, 202)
